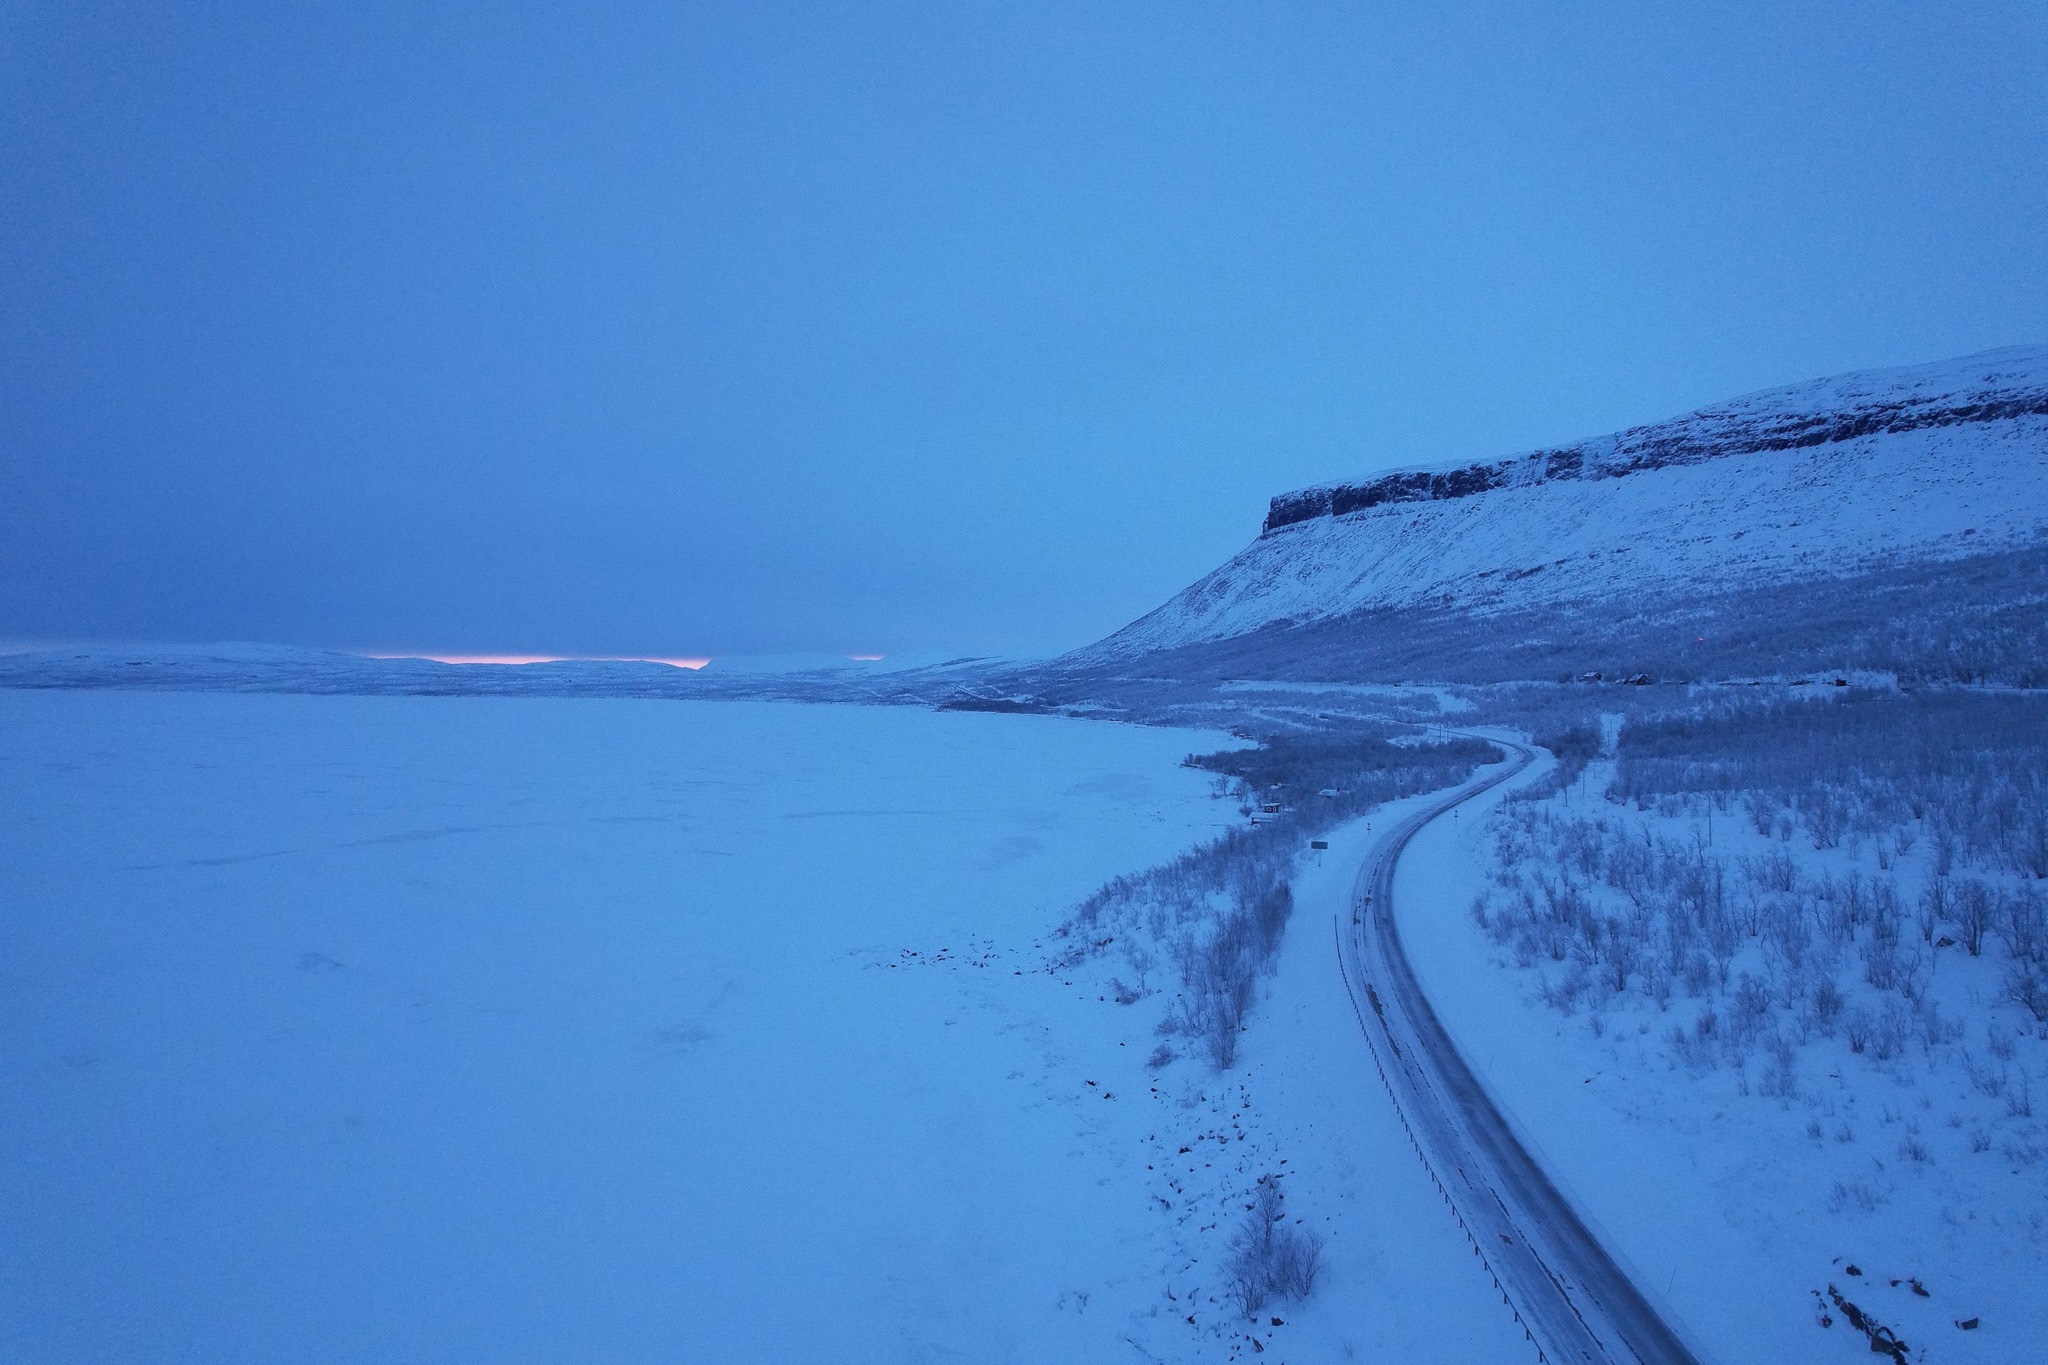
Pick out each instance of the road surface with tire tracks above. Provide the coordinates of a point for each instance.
(1571, 1299)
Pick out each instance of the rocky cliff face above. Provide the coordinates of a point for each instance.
(1994, 387)
(1855, 475)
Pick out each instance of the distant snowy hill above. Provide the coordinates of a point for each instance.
(244, 667)
(1867, 473)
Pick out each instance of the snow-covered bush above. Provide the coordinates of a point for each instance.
(1220, 971)
(1968, 769)
(1814, 886)
(1270, 1257)
(1218, 912)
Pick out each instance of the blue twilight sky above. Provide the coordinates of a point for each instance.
(686, 329)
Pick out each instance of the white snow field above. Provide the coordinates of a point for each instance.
(486, 1029)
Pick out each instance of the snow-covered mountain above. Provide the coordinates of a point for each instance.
(1835, 477)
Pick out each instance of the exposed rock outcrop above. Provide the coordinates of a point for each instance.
(1993, 387)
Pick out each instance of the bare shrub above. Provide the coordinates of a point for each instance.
(1986, 1080)
(1933, 907)
(1933, 1028)
(1782, 1079)
(2027, 987)
(1297, 1261)
(1774, 871)
(1748, 1010)
(2023, 924)
(1269, 1257)
(1858, 1026)
(1822, 814)
(1827, 1006)
(1221, 972)
(1220, 910)
(1893, 1027)
(1881, 955)
(1975, 910)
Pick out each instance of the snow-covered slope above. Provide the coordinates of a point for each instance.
(1830, 477)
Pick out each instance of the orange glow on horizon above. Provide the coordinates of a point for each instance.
(692, 663)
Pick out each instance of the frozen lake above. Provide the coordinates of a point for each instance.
(432, 1029)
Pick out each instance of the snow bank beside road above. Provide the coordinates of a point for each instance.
(1402, 1283)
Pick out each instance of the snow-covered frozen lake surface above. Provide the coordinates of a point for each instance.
(446, 1029)
(473, 1029)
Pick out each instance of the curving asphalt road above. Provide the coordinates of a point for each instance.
(1572, 1300)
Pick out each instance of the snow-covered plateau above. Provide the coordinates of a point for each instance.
(1860, 472)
